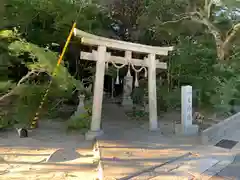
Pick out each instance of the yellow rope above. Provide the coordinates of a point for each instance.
(36, 117)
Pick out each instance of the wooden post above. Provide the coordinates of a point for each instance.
(95, 129)
(112, 84)
(152, 94)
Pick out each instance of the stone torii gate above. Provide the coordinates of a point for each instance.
(101, 56)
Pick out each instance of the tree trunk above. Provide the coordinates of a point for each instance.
(220, 49)
(217, 36)
(203, 16)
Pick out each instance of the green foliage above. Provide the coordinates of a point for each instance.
(156, 22)
(196, 65)
(223, 94)
(81, 121)
(44, 61)
(4, 123)
(138, 115)
(4, 86)
(171, 100)
(27, 103)
(231, 3)
(45, 22)
(30, 94)
(138, 96)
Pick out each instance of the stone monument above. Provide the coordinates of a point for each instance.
(127, 90)
(186, 127)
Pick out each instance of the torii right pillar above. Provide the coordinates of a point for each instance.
(152, 93)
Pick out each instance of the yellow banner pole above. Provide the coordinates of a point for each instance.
(36, 117)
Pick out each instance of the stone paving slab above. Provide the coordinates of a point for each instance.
(21, 163)
(232, 171)
(195, 166)
(35, 157)
(224, 156)
(122, 159)
(185, 168)
(211, 172)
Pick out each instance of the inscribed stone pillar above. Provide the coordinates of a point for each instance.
(186, 106)
(127, 90)
(152, 93)
(95, 128)
(127, 85)
(186, 127)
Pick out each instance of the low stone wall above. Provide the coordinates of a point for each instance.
(214, 133)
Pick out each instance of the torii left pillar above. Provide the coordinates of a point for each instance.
(95, 129)
(152, 93)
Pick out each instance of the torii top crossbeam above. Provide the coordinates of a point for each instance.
(90, 39)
